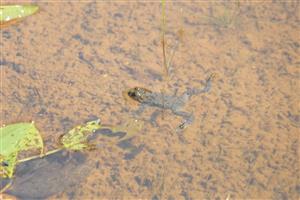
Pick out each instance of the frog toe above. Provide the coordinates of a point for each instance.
(154, 123)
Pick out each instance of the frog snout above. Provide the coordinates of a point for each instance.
(131, 94)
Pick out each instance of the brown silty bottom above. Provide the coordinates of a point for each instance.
(71, 62)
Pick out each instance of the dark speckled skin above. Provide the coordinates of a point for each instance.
(172, 102)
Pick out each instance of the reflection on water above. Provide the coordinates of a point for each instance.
(41, 178)
(72, 61)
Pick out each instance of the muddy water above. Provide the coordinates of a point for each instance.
(72, 61)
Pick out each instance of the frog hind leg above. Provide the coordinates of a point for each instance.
(188, 119)
(197, 91)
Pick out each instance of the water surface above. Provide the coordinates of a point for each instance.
(71, 62)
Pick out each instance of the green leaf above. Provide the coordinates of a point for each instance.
(77, 138)
(13, 12)
(15, 138)
(8, 165)
(19, 137)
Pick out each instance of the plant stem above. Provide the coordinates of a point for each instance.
(163, 35)
(40, 156)
(6, 187)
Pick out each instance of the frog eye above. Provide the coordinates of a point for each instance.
(131, 93)
(96, 121)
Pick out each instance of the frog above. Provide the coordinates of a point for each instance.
(77, 138)
(147, 98)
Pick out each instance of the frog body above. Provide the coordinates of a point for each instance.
(169, 102)
(77, 138)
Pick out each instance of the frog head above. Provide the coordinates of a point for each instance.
(138, 94)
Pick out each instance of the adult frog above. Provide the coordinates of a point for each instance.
(171, 102)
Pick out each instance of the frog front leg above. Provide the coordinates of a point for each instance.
(154, 116)
(140, 110)
(188, 118)
(137, 113)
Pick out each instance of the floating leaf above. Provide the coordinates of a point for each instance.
(10, 13)
(15, 138)
(8, 165)
(77, 138)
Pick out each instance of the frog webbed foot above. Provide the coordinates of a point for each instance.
(188, 119)
(184, 125)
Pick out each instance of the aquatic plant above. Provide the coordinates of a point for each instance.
(163, 39)
(224, 17)
(167, 62)
(16, 138)
(19, 137)
(75, 139)
(224, 20)
(13, 13)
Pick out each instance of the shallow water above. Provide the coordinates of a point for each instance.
(71, 62)
(43, 177)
